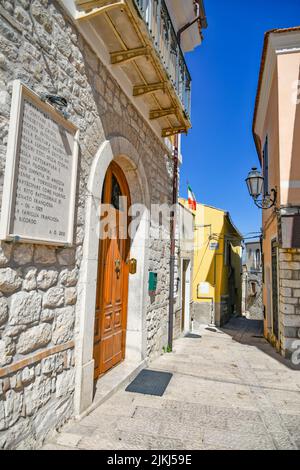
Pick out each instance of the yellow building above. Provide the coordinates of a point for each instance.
(217, 289)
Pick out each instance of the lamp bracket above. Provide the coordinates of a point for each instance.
(58, 102)
(267, 201)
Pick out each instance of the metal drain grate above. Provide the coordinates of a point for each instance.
(192, 335)
(150, 382)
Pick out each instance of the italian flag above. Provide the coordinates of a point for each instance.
(192, 199)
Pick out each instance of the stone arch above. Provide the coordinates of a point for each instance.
(122, 151)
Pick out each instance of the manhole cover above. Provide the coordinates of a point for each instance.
(150, 382)
(192, 335)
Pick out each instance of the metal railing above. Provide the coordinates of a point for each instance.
(156, 16)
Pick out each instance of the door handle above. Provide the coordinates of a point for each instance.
(132, 263)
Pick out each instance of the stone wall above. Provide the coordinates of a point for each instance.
(289, 299)
(40, 46)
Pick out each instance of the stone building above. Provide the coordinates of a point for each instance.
(184, 273)
(216, 286)
(120, 67)
(252, 304)
(276, 128)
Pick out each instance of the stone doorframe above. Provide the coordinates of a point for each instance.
(122, 152)
(187, 299)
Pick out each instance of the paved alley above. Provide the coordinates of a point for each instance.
(229, 390)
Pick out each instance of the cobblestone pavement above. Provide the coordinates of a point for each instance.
(229, 390)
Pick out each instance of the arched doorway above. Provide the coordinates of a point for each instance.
(120, 150)
(113, 273)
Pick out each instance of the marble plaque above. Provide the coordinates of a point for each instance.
(41, 172)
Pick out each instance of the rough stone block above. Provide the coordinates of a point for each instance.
(37, 394)
(52, 414)
(291, 320)
(296, 275)
(46, 278)
(289, 332)
(5, 253)
(44, 255)
(3, 310)
(16, 381)
(286, 291)
(9, 281)
(69, 278)
(290, 265)
(54, 297)
(48, 365)
(65, 383)
(70, 296)
(286, 274)
(20, 431)
(290, 283)
(13, 407)
(290, 300)
(285, 257)
(287, 308)
(2, 415)
(7, 350)
(47, 315)
(66, 256)
(25, 308)
(29, 282)
(28, 375)
(34, 338)
(23, 254)
(64, 325)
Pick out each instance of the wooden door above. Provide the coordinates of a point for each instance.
(113, 272)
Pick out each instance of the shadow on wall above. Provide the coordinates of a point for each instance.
(250, 332)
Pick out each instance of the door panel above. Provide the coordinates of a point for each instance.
(112, 284)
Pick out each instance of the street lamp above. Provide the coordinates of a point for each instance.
(255, 183)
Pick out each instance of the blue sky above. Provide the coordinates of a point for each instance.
(219, 150)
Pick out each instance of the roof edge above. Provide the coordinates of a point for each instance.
(227, 214)
(260, 79)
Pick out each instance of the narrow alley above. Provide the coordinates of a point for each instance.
(229, 390)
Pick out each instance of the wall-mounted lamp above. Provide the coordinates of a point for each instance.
(59, 102)
(255, 184)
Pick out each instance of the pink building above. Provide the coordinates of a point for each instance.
(276, 129)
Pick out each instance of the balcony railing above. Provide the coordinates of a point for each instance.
(156, 16)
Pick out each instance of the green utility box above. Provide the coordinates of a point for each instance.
(152, 282)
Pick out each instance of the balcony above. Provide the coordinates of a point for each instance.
(141, 40)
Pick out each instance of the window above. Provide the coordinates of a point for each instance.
(250, 258)
(116, 193)
(266, 166)
(257, 259)
(253, 288)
